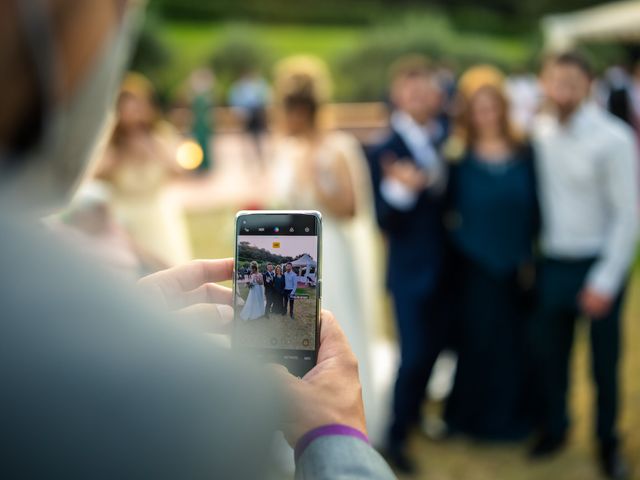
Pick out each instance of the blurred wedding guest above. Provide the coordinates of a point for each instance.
(89, 224)
(249, 96)
(493, 219)
(587, 171)
(315, 168)
(139, 163)
(409, 178)
(99, 378)
(618, 85)
(201, 83)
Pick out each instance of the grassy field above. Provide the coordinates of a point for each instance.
(281, 331)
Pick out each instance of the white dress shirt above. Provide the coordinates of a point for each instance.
(588, 183)
(418, 139)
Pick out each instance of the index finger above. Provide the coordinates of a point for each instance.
(197, 272)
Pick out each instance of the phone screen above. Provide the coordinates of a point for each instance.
(277, 287)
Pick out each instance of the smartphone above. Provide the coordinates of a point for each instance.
(278, 287)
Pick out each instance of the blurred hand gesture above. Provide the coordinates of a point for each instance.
(331, 392)
(405, 172)
(593, 304)
(191, 291)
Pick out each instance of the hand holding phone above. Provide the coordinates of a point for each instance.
(332, 387)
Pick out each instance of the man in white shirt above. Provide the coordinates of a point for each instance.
(587, 167)
(290, 286)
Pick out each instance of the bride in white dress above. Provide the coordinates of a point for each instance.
(254, 305)
(326, 171)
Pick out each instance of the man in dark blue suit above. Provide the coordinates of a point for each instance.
(409, 180)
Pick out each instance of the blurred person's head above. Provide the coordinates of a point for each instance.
(288, 267)
(135, 109)
(254, 267)
(302, 85)
(269, 267)
(61, 62)
(415, 88)
(566, 81)
(484, 106)
(278, 270)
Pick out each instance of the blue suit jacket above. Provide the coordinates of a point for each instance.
(415, 237)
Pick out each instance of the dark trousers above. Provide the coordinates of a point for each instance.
(422, 335)
(273, 300)
(552, 334)
(287, 300)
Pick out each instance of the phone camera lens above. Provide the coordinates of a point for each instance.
(306, 229)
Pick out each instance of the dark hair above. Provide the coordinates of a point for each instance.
(289, 263)
(574, 59)
(269, 263)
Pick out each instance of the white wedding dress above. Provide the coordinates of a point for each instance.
(255, 304)
(352, 283)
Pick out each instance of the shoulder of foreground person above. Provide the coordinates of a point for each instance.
(338, 457)
(97, 386)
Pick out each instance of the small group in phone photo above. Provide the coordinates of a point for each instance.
(276, 290)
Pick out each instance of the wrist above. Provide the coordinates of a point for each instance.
(334, 429)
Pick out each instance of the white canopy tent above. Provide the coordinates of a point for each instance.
(305, 264)
(615, 21)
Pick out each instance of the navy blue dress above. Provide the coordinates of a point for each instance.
(492, 222)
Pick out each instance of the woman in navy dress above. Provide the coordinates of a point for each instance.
(278, 285)
(492, 222)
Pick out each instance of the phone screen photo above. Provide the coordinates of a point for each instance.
(277, 287)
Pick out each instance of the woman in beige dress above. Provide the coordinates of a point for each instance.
(139, 163)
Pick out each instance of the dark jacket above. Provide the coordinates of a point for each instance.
(416, 236)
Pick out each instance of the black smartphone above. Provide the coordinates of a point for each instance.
(277, 287)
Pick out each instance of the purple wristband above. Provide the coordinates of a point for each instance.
(326, 431)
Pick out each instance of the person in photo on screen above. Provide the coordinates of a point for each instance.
(278, 292)
(254, 307)
(269, 289)
(290, 286)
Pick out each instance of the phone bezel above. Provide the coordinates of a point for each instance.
(282, 356)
